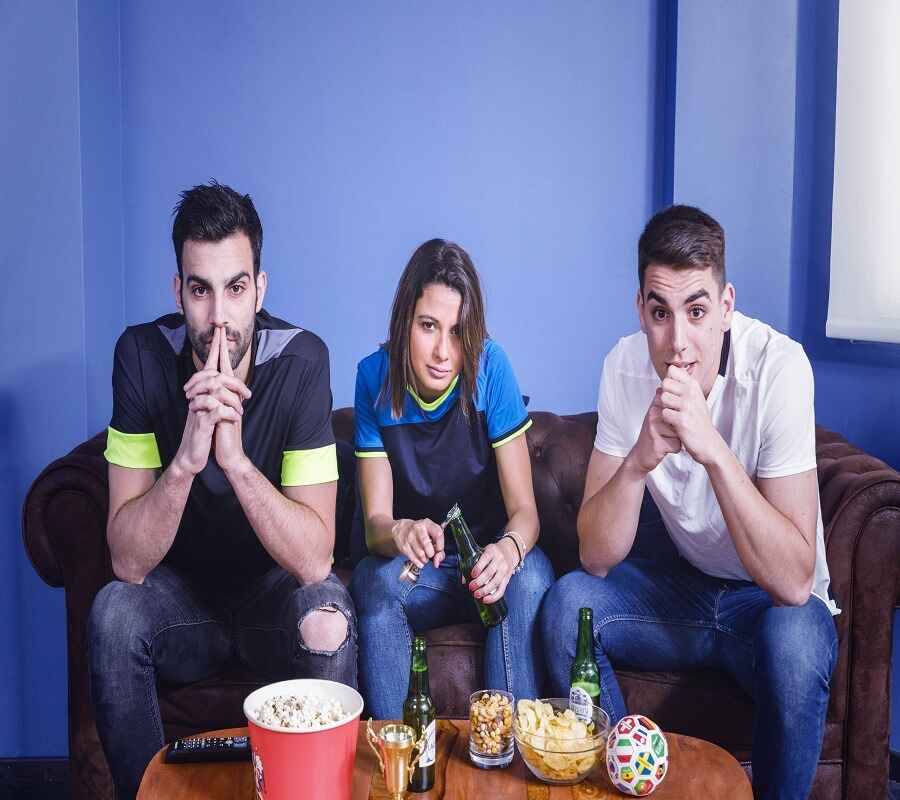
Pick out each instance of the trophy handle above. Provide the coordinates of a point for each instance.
(420, 746)
(372, 738)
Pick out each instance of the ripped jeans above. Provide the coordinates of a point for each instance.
(391, 612)
(169, 630)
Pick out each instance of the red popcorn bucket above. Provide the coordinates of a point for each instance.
(309, 762)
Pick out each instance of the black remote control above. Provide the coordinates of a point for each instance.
(208, 748)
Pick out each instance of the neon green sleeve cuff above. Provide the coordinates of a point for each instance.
(528, 423)
(308, 467)
(133, 450)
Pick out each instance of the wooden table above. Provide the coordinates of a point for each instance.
(697, 769)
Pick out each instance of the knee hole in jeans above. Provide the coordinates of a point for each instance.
(323, 629)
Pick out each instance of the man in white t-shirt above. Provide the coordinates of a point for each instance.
(712, 413)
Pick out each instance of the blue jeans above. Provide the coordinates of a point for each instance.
(391, 611)
(168, 629)
(666, 615)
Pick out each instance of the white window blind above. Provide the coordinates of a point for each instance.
(864, 295)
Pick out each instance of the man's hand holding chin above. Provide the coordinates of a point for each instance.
(684, 408)
(656, 440)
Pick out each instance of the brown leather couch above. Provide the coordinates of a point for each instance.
(64, 520)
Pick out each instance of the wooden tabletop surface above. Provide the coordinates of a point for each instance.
(697, 769)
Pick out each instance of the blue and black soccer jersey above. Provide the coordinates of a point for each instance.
(286, 433)
(437, 456)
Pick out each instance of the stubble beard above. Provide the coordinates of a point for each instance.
(201, 341)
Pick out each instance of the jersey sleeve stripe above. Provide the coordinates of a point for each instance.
(370, 454)
(133, 450)
(308, 467)
(517, 431)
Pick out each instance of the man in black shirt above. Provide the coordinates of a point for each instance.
(222, 479)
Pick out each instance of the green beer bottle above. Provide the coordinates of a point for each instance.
(418, 712)
(469, 553)
(584, 678)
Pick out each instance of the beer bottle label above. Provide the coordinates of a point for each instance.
(580, 703)
(428, 753)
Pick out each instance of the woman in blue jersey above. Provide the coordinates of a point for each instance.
(439, 420)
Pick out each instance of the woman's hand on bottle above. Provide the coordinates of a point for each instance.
(420, 540)
(492, 572)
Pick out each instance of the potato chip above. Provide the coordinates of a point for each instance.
(555, 743)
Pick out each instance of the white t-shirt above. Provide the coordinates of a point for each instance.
(762, 406)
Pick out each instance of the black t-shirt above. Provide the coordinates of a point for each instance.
(286, 433)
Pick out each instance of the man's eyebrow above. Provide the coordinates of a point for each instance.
(696, 296)
(651, 295)
(236, 278)
(230, 282)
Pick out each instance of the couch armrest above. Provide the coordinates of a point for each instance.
(860, 498)
(65, 513)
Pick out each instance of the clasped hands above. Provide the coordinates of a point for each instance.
(422, 540)
(678, 418)
(215, 410)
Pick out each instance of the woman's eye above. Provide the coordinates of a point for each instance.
(428, 325)
(454, 331)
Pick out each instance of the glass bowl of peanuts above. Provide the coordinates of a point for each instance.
(558, 746)
(490, 728)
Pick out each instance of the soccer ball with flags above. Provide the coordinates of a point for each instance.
(637, 755)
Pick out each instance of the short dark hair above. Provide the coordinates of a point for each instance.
(442, 262)
(210, 213)
(682, 237)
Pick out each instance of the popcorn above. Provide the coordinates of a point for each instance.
(300, 712)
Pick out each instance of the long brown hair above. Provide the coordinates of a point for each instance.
(442, 262)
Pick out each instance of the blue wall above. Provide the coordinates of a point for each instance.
(539, 136)
(526, 134)
(60, 169)
(734, 139)
(43, 305)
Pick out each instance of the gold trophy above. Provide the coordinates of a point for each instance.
(393, 746)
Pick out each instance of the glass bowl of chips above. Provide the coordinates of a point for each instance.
(557, 746)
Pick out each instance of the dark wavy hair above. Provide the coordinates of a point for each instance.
(442, 262)
(682, 237)
(210, 213)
